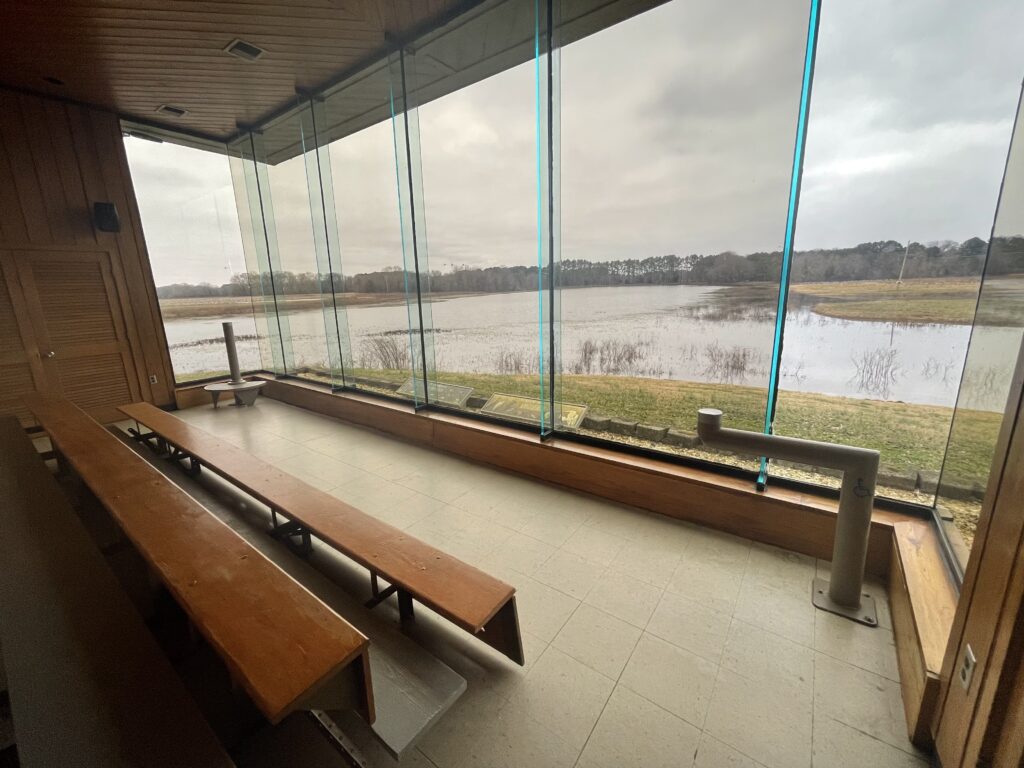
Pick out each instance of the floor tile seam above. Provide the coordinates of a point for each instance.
(851, 725)
(548, 559)
(559, 591)
(426, 757)
(607, 562)
(508, 702)
(814, 696)
(911, 752)
(738, 749)
(711, 699)
(895, 679)
(789, 685)
(717, 662)
(616, 683)
(753, 759)
(641, 630)
(779, 635)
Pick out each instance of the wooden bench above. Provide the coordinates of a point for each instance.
(283, 645)
(412, 688)
(88, 684)
(471, 599)
(922, 599)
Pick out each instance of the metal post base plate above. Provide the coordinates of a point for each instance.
(865, 614)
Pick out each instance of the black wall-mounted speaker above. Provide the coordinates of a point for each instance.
(105, 218)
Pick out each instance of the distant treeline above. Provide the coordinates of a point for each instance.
(868, 261)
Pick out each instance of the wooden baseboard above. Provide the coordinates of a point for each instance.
(922, 599)
(799, 521)
(191, 396)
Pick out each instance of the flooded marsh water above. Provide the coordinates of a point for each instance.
(683, 333)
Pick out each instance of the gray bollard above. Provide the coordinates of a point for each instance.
(244, 392)
(842, 594)
(229, 342)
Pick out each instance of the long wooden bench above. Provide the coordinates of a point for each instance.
(412, 687)
(88, 684)
(471, 599)
(922, 599)
(282, 644)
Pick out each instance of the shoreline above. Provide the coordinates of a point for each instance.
(917, 301)
(233, 306)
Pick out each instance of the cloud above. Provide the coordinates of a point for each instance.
(677, 134)
(188, 211)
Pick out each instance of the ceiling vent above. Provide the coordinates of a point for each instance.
(244, 50)
(171, 111)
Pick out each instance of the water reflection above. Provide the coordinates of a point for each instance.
(684, 333)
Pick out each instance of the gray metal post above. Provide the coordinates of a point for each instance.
(842, 594)
(229, 342)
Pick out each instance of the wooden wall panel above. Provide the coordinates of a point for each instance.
(77, 315)
(56, 160)
(137, 271)
(990, 615)
(1008, 747)
(21, 369)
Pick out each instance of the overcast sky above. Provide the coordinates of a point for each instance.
(677, 132)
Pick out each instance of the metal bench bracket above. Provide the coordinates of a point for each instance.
(289, 532)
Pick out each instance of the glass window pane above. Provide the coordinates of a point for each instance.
(677, 135)
(300, 265)
(910, 117)
(376, 291)
(474, 86)
(992, 356)
(195, 249)
(256, 246)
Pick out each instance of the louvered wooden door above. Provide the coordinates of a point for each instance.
(21, 369)
(74, 309)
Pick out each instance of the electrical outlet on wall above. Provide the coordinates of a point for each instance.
(152, 378)
(967, 666)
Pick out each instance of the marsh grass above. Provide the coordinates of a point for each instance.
(908, 311)
(943, 300)
(876, 371)
(383, 351)
(515, 362)
(731, 365)
(909, 437)
(616, 357)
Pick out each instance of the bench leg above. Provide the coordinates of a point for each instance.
(194, 467)
(287, 532)
(379, 595)
(405, 611)
(151, 440)
(502, 632)
(63, 468)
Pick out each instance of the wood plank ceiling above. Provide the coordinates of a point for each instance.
(131, 56)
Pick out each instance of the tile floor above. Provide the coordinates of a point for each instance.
(650, 642)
